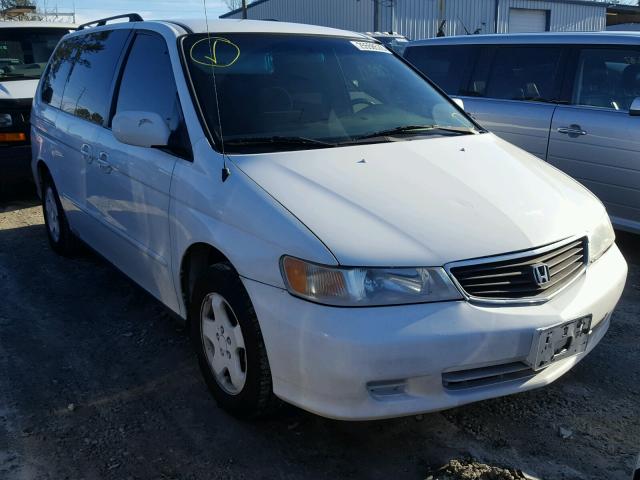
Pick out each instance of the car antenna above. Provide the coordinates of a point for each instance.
(225, 170)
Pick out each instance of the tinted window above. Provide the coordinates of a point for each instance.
(147, 82)
(446, 65)
(314, 89)
(55, 78)
(24, 52)
(522, 73)
(607, 78)
(93, 59)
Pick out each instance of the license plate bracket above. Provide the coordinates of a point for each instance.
(559, 341)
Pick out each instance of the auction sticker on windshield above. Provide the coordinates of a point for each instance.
(370, 47)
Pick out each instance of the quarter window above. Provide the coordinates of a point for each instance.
(147, 82)
(57, 73)
(93, 59)
(523, 73)
(607, 78)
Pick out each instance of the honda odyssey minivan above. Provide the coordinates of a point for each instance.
(336, 232)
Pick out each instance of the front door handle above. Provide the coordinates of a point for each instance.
(103, 163)
(573, 130)
(85, 151)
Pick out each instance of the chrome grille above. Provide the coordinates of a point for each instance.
(511, 277)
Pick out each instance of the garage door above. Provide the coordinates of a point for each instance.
(524, 20)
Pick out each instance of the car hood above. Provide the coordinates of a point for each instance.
(425, 202)
(17, 89)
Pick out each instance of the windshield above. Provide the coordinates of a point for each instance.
(282, 92)
(24, 52)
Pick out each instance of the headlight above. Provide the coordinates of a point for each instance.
(601, 238)
(5, 120)
(366, 287)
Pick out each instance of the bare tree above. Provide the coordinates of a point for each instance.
(235, 4)
(231, 4)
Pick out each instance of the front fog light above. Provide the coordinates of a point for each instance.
(366, 287)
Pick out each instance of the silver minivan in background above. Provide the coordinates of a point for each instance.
(572, 99)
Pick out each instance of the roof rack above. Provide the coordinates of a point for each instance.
(133, 17)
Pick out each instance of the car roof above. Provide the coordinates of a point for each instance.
(598, 38)
(260, 26)
(12, 24)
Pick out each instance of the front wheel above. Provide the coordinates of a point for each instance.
(228, 341)
(61, 238)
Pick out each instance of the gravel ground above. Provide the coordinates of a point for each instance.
(97, 381)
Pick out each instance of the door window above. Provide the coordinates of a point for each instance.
(147, 83)
(445, 65)
(607, 78)
(523, 73)
(93, 59)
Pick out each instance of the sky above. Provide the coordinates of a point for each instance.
(87, 10)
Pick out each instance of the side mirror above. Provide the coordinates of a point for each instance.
(459, 102)
(634, 110)
(141, 129)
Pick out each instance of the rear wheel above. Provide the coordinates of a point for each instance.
(229, 344)
(61, 239)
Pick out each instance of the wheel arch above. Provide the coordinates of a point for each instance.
(195, 260)
(42, 171)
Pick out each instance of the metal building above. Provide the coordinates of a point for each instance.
(419, 19)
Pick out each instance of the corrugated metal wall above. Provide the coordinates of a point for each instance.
(565, 17)
(421, 18)
(354, 15)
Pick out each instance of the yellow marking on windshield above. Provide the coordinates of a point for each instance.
(211, 60)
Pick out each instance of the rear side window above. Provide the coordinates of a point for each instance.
(607, 78)
(522, 73)
(55, 78)
(147, 83)
(93, 60)
(446, 65)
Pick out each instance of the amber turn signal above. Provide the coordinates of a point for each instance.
(13, 137)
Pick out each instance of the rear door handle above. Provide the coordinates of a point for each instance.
(85, 150)
(103, 163)
(572, 130)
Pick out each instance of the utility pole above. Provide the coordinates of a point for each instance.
(244, 9)
(376, 15)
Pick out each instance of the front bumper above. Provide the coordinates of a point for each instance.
(15, 163)
(367, 363)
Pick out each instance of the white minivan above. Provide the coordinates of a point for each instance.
(337, 233)
(25, 48)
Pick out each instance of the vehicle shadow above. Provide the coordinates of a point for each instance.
(16, 196)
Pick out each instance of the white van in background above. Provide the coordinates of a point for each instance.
(25, 48)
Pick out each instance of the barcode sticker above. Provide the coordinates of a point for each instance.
(370, 47)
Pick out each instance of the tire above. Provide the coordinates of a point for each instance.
(61, 238)
(229, 345)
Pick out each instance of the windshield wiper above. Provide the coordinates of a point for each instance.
(409, 129)
(279, 141)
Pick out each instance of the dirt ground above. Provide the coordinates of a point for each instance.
(98, 382)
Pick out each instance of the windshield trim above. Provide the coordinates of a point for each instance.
(214, 138)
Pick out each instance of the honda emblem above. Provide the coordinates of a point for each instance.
(541, 274)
